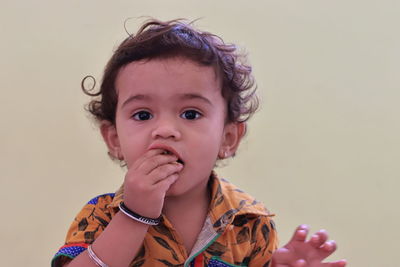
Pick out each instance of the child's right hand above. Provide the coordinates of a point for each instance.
(147, 181)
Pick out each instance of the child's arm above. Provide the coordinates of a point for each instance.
(302, 253)
(117, 245)
(146, 183)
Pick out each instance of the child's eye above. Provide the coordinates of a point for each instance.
(191, 114)
(142, 116)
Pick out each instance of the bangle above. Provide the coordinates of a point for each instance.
(94, 257)
(137, 217)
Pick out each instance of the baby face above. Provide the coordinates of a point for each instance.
(175, 105)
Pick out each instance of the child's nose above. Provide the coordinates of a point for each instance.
(166, 130)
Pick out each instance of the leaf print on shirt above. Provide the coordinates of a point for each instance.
(255, 252)
(89, 235)
(240, 220)
(245, 262)
(103, 222)
(243, 235)
(216, 249)
(162, 229)
(227, 216)
(165, 245)
(139, 259)
(141, 253)
(82, 225)
(218, 192)
(272, 225)
(254, 231)
(219, 201)
(238, 190)
(137, 263)
(265, 233)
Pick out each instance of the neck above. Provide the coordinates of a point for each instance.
(187, 213)
(191, 202)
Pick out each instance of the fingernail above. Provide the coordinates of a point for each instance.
(179, 164)
(304, 226)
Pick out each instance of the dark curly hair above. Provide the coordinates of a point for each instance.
(176, 38)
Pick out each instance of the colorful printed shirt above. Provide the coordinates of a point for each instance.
(238, 231)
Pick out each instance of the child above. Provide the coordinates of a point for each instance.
(173, 101)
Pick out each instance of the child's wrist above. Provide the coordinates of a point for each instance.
(137, 217)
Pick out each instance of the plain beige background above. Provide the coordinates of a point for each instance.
(323, 150)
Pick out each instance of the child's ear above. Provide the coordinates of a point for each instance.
(110, 137)
(233, 133)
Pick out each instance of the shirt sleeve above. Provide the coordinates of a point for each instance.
(86, 227)
(266, 242)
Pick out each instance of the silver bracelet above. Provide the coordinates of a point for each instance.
(94, 257)
(133, 215)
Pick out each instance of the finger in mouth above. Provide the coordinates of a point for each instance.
(166, 152)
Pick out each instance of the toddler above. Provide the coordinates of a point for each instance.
(173, 101)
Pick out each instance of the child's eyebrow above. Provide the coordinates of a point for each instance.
(187, 96)
(195, 96)
(135, 97)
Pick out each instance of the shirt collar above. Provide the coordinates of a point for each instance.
(228, 201)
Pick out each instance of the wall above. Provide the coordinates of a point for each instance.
(322, 150)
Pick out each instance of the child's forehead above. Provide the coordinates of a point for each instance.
(171, 65)
(181, 75)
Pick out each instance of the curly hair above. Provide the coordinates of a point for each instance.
(176, 38)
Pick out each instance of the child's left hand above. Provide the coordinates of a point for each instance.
(302, 253)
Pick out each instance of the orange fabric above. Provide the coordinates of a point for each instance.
(238, 230)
